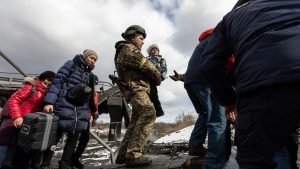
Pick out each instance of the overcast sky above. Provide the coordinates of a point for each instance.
(41, 35)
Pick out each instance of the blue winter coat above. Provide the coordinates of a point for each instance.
(72, 118)
(264, 37)
(160, 63)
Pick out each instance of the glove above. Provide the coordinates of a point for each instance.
(177, 76)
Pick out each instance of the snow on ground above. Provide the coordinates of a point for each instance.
(180, 136)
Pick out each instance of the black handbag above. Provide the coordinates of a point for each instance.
(79, 94)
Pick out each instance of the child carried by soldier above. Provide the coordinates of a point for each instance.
(160, 63)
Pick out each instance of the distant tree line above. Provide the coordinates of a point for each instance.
(181, 121)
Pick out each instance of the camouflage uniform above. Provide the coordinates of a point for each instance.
(137, 71)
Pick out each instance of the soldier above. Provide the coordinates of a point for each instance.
(137, 71)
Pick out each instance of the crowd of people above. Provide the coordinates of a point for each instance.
(245, 71)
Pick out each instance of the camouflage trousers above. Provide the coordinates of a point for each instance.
(140, 127)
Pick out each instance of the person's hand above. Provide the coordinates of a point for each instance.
(164, 76)
(48, 108)
(230, 113)
(18, 122)
(157, 77)
(94, 122)
(95, 115)
(176, 76)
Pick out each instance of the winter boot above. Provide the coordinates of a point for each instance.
(194, 162)
(121, 155)
(76, 163)
(46, 167)
(120, 160)
(159, 113)
(64, 165)
(138, 162)
(197, 151)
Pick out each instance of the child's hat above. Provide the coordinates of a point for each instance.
(152, 47)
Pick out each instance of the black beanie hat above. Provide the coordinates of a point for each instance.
(47, 75)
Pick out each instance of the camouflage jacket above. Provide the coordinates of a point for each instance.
(131, 65)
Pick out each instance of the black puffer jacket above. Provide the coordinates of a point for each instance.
(264, 36)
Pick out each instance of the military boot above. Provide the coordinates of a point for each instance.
(138, 162)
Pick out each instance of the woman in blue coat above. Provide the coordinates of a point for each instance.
(68, 98)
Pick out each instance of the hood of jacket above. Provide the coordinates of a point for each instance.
(119, 45)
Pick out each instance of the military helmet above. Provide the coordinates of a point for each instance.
(132, 30)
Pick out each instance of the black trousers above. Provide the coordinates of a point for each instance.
(23, 160)
(292, 148)
(228, 141)
(83, 141)
(266, 118)
(70, 147)
(68, 151)
(154, 99)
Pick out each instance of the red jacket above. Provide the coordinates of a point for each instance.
(20, 104)
(95, 98)
(206, 34)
